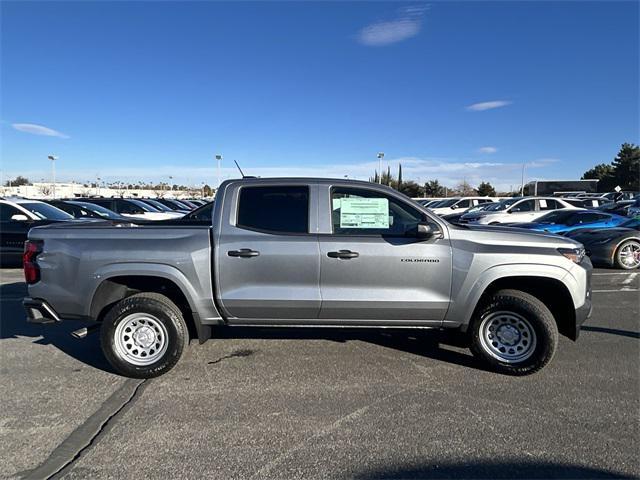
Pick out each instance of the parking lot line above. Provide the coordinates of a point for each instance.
(614, 273)
(618, 290)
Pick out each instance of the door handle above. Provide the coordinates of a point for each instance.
(346, 254)
(243, 253)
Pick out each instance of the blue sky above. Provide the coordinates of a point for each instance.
(453, 90)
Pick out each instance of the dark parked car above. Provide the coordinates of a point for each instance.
(17, 216)
(613, 247)
(567, 220)
(619, 208)
(80, 209)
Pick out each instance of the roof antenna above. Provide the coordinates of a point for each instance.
(241, 173)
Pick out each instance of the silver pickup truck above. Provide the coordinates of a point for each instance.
(308, 252)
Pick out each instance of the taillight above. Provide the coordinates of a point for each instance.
(31, 269)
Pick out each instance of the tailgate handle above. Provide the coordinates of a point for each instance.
(243, 252)
(346, 254)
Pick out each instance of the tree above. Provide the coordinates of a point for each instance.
(485, 189)
(626, 167)
(19, 181)
(207, 191)
(399, 177)
(410, 189)
(386, 177)
(604, 173)
(433, 189)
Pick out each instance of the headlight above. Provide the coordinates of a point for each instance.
(574, 254)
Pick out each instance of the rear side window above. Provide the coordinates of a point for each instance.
(546, 204)
(274, 209)
(524, 206)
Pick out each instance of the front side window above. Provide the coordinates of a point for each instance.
(44, 211)
(357, 211)
(277, 209)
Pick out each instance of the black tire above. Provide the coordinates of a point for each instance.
(616, 257)
(514, 311)
(164, 319)
(494, 223)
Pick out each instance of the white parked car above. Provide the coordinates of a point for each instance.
(516, 210)
(458, 204)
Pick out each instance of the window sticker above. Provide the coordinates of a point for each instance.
(543, 203)
(364, 213)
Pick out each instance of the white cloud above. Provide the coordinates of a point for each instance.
(487, 150)
(38, 130)
(479, 107)
(407, 25)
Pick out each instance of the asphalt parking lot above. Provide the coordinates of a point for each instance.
(286, 403)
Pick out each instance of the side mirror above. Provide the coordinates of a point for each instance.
(424, 230)
(454, 206)
(19, 217)
(509, 211)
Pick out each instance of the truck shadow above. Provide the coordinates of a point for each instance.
(13, 324)
(434, 344)
(490, 470)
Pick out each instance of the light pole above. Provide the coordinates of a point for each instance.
(219, 162)
(53, 159)
(380, 157)
(522, 181)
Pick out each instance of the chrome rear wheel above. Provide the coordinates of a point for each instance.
(628, 255)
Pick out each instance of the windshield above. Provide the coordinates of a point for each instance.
(445, 203)
(504, 204)
(143, 206)
(97, 209)
(557, 217)
(45, 211)
(157, 205)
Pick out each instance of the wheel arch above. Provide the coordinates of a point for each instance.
(550, 291)
(119, 285)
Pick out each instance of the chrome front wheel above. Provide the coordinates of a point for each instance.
(628, 255)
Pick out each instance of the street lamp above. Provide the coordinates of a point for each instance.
(380, 157)
(219, 162)
(53, 159)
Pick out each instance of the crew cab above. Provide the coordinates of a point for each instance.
(308, 252)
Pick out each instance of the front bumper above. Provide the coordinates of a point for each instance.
(39, 311)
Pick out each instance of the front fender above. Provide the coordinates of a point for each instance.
(472, 287)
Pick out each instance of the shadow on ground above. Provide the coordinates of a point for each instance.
(491, 470)
(13, 324)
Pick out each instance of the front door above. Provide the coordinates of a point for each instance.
(374, 267)
(268, 261)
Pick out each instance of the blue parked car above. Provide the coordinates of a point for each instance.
(567, 220)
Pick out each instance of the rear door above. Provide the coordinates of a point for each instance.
(373, 267)
(267, 256)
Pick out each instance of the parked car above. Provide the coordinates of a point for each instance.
(612, 247)
(634, 208)
(455, 217)
(459, 204)
(586, 202)
(79, 209)
(132, 208)
(175, 204)
(160, 206)
(17, 216)
(567, 220)
(515, 210)
(619, 208)
(310, 252)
